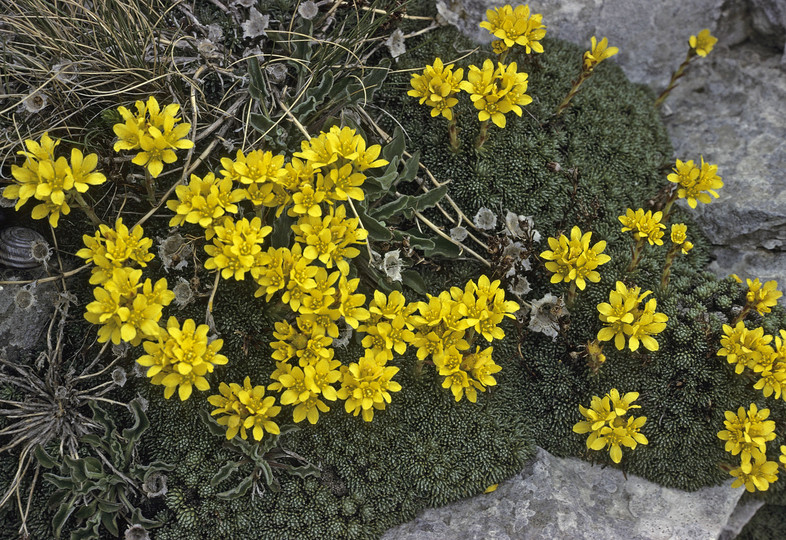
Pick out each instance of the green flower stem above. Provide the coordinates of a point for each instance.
(675, 77)
(742, 315)
(87, 209)
(208, 315)
(670, 256)
(571, 299)
(483, 135)
(667, 208)
(150, 186)
(634, 262)
(573, 91)
(453, 132)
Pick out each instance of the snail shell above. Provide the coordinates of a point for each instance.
(16, 247)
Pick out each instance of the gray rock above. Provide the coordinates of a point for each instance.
(25, 312)
(739, 518)
(569, 498)
(768, 18)
(730, 109)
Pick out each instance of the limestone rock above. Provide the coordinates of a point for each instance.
(742, 514)
(769, 20)
(730, 110)
(569, 498)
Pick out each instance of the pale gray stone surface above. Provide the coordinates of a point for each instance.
(554, 498)
(730, 108)
(739, 518)
(22, 329)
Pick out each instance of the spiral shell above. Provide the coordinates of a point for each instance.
(16, 247)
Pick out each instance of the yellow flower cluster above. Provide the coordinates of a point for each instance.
(599, 52)
(437, 87)
(445, 328)
(306, 384)
(760, 352)
(330, 238)
(127, 308)
(205, 201)
(237, 247)
(53, 181)
(609, 427)
(244, 408)
(624, 317)
(696, 183)
(366, 386)
(515, 27)
(746, 434)
(179, 358)
(644, 225)
(573, 260)
(496, 91)
(155, 132)
(109, 249)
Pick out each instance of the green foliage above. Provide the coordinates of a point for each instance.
(262, 456)
(317, 90)
(104, 483)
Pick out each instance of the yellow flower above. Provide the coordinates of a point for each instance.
(53, 181)
(763, 297)
(755, 476)
(679, 233)
(599, 52)
(747, 432)
(181, 357)
(298, 391)
(436, 87)
(351, 304)
(696, 183)
(703, 43)
(496, 91)
(155, 152)
(83, 170)
(481, 367)
(743, 347)
(244, 408)
(113, 248)
(644, 326)
(237, 247)
(204, 201)
(154, 132)
(366, 386)
(607, 425)
(516, 27)
(623, 317)
(644, 225)
(574, 259)
(127, 309)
